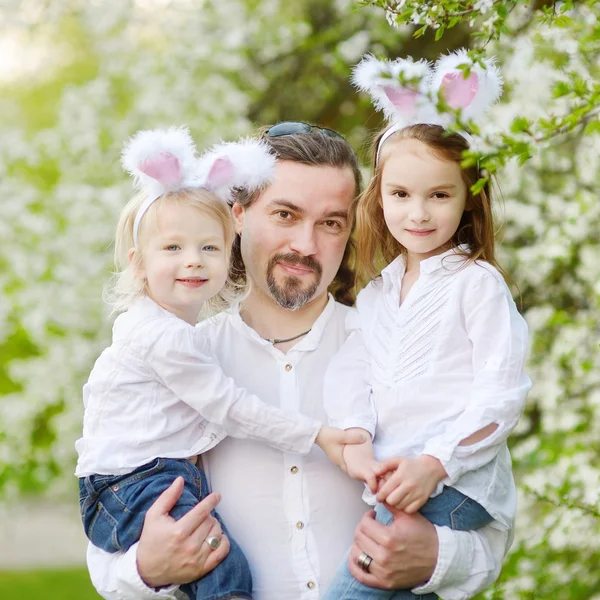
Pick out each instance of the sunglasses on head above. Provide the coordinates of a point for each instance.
(299, 127)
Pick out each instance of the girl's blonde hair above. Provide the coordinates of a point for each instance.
(126, 286)
(476, 228)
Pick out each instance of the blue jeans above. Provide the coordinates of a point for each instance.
(113, 509)
(451, 509)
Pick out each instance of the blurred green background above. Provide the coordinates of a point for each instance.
(78, 77)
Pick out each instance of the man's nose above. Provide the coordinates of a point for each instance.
(304, 240)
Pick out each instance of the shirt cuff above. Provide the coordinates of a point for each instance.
(448, 548)
(132, 583)
(353, 422)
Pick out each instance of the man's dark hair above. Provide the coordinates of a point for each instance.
(321, 150)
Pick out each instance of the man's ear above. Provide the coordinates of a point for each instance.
(136, 264)
(238, 212)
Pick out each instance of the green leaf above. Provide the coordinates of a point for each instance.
(502, 9)
(479, 185)
(592, 127)
(563, 21)
(524, 157)
(520, 124)
(561, 89)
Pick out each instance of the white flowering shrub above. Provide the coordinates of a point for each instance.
(87, 74)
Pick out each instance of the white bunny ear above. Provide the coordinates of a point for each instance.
(475, 94)
(401, 104)
(247, 164)
(160, 159)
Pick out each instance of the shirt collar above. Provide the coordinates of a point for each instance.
(447, 260)
(146, 307)
(310, 342)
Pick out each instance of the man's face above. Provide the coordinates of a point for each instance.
(294, 234)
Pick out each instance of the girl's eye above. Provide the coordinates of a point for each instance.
(210, 249)
(441, 195)
(400, 194)
(172, 248)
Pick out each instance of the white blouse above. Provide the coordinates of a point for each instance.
(158, 391)
(424, 375)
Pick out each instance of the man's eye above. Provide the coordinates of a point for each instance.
(333, 224)
(172, 248)
(284, 214)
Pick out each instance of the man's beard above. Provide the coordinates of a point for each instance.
(290, 294)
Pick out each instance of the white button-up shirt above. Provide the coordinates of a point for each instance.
(424, 375)
(294, 516)
(158, 391)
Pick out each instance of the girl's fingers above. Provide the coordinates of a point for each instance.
(413, 507)
(400, 497)
(388, 487)
(391, 464)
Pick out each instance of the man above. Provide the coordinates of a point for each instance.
(294, 516)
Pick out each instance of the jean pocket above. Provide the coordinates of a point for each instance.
(469, 515)
(122, 489)
(98, 483)
(102, 530)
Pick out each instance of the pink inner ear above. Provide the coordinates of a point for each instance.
(221, 172)
(403, 99)
(458, 91)
(165, 169)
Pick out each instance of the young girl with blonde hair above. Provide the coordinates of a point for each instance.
(433, 367)
(156, 398)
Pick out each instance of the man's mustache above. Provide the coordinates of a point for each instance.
(295, 259)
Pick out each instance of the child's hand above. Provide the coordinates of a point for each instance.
(412, 482)
(332, 441)
(361, 465)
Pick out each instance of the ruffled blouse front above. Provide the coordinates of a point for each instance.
(426, 374)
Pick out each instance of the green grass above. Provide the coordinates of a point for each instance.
(73, 584)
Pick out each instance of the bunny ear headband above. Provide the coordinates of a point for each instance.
(164, 160)
(392, 87)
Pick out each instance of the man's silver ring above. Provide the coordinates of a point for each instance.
(364, 561)
(213, 541)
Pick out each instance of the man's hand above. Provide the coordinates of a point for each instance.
(174, 552)
(332, 441)
(412, 482)
(404, 553)
(360, 463)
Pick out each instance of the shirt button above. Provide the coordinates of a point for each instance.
(294, 470)
(299, 525)
(311, 585)
(288, 367)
